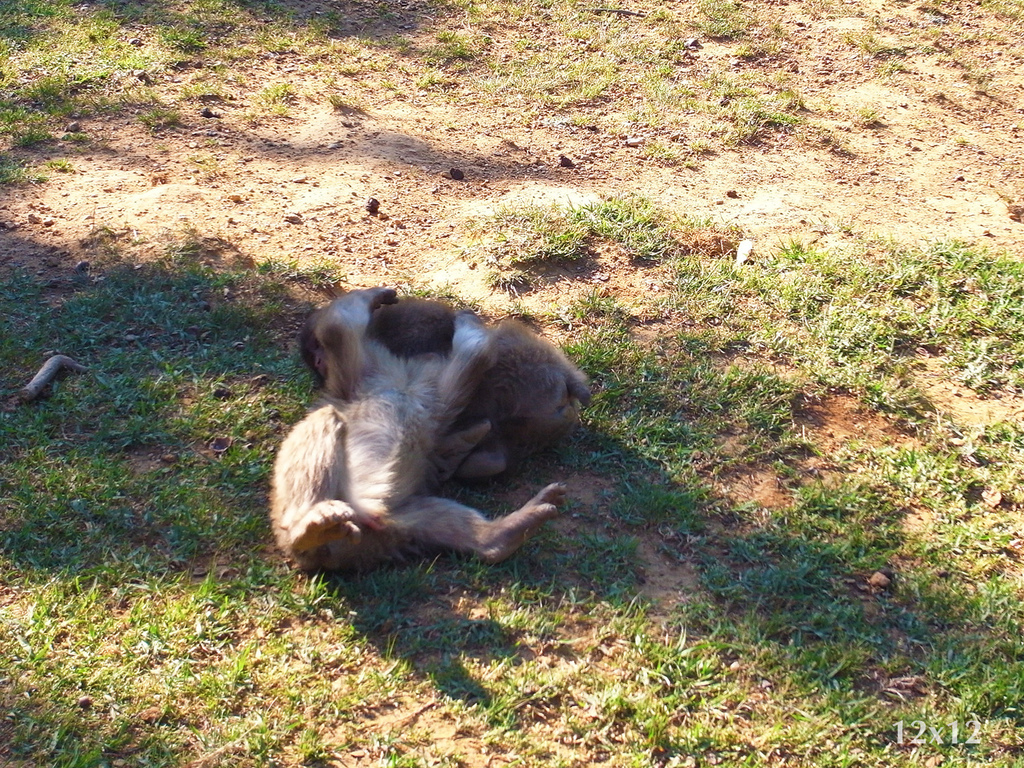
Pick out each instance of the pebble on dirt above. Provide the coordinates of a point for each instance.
(373, 206)
(456, 174)
(565, 162)
(879, 580)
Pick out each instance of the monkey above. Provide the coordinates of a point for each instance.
(347, 491)
(531, 396)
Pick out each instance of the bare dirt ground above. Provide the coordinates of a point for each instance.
(939, 157)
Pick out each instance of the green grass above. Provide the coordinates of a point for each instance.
(66, 60)
(516, 242)
(145, 614)
(15, 172)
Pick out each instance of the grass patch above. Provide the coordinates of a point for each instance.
(13, 171)
(708, 596)
(145, 612)
(518, 242)
(723, 19)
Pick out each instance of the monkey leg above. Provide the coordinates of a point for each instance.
(472, 354)
(336, 342)
(435, 523)
(453, 449)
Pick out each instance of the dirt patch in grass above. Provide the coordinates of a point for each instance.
(926, 149)
(833, 421)
(665, 579)
(756, 485)
(963, 404)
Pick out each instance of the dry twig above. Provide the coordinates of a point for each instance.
(617, 11)
(46, 374)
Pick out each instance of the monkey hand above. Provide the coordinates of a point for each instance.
(374, 521)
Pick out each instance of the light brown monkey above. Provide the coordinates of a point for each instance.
(348, 481)
(531, 396)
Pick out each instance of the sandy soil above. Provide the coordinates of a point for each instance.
(942, 161)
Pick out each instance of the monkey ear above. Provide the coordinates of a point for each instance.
(580, 390)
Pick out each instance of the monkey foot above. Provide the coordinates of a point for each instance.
(553, 494)
(327, 521)
(512, 531)
(381, 296)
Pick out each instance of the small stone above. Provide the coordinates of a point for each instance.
(239, 345)
(74, 127)
(879, 580)
(293, 218)
(373, 206)
(222, 393)
(82, 267)
(692, 43)
(456, 175)
(169, 458)
(992, 497)
(207, 112)
(236, 198)
(84, 702)
(634, 141)
(565, 162)
(732, 193)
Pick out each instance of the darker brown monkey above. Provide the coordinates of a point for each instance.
(531, 396)
(348, 483)
(410, 327)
